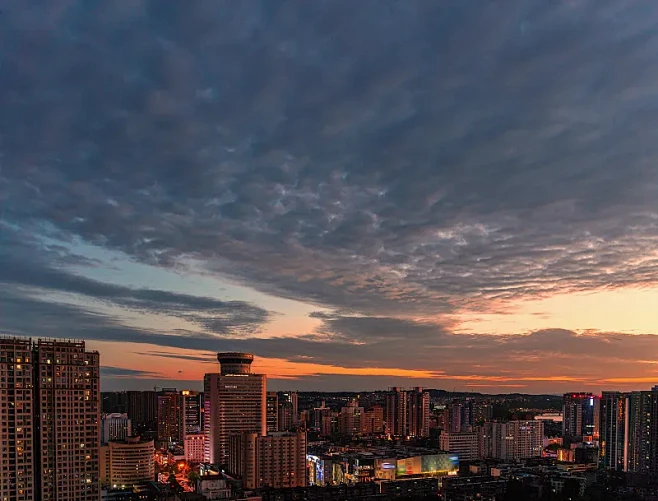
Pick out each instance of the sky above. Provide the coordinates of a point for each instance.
(459, 194)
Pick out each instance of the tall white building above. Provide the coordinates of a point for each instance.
(235, 403)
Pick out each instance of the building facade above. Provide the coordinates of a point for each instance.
(614, 430)
(115, 427)
(272, 411)
(277, 460)
(580, 416)
(235, 402)
(512, 440)
(193, 448)
(350, 419)
(465, 444)
(373, 420)
(67, 410)
(127, 462)
(418, 408)
(170, 416)
(192, 413)
(396, 412)
(50, 410)
(18, 470)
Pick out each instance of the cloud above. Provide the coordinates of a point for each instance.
(28, 264)
(545, 360)
(470, 158)
(470, 161)
(119, 373)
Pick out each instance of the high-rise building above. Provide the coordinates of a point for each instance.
(479, 412)
(465, 444)
(142, 409)
(373, 420)
(67, 410)
(454, 418)
(127, 462)
(192, 403)
(50, 408)
(614, 430)
(115, 427)
(272, 411)
(18, 469)
(642, 455)
(170, 416)
(235, 402)
(418, 408)
(350, 419)
(396, 412)
(287, 410)
(580, 415)
(277, 460)
(193, 448)
(512, 440)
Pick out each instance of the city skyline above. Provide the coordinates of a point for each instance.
(467, 205)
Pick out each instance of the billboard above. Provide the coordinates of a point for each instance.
(437, 464)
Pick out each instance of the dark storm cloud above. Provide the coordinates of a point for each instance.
(411, 156)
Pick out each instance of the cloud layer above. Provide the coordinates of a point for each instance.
(402, 162)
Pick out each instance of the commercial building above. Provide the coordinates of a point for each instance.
(512, 440)
(272, 411)
(465, 444)
(193, 448)
(127, 462)
(192, 412)
(235, 403)
(580, 415)
(115, 427)
(50, 412)
(170, 416)
(277, 460)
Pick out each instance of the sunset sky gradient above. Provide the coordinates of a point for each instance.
(457, 194)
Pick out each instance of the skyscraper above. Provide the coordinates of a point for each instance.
(192, 404)
(235, 402)
(272, 411)
(418, 408)
(170, 416)
(396, 412)
(17, 454)
(614, 430)
(67, 421)
(142, 409)
(580, 413)
(350, 419)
